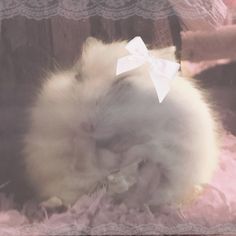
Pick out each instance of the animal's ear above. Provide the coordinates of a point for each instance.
(91, 41)
(166, 53)
(90, 44)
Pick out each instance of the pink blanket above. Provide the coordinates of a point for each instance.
(203, 45)
(213, 212)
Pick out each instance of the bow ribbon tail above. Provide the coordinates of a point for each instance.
(161, 84)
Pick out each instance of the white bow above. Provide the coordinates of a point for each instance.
(162, 72)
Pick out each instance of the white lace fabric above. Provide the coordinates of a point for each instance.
(212, 11)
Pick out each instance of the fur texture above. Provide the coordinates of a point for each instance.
(88, 123)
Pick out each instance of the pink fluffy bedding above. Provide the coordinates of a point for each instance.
(214, 212)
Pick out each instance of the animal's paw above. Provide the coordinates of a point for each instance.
(195, 192)
(117, 184)
(53, 204)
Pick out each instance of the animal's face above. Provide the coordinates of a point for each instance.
(109, 105)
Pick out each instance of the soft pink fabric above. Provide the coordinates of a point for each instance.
(230, 3)
(200, 14)
(191, 69)
(213, 212)
(202, 46)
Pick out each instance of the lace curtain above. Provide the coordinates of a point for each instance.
(113, 9)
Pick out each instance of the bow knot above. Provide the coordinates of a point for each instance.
(161, 71)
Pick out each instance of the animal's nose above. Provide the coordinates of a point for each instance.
(87, 127)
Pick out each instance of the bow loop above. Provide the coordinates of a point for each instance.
(137, 47)
(129, 62)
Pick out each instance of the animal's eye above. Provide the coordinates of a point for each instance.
(87, 127)
(141, 164)
(117, 143)
(78, 77)
(104, 143)
(121, 82)
(120, 142)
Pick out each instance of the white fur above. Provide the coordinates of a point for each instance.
(83, 129)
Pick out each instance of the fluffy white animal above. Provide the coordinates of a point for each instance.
(87, 123)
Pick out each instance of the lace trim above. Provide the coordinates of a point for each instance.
(120, 229)
(113, 9)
